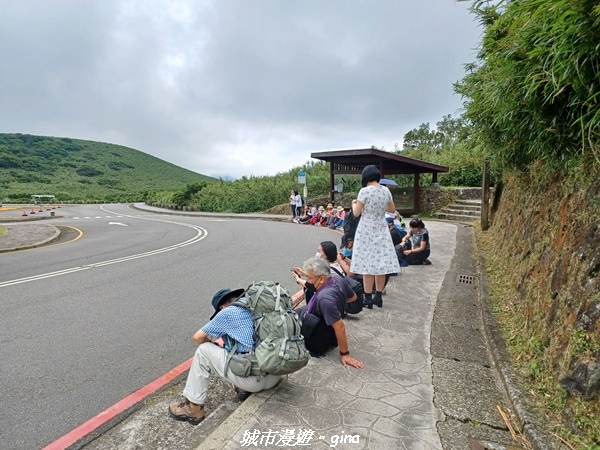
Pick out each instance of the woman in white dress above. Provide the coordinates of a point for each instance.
(373, 254)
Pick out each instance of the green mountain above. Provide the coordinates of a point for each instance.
(86, 171)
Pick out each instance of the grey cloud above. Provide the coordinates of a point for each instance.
(200, 83)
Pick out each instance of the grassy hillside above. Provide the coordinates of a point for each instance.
(78, 170)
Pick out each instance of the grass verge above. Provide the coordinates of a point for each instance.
(572, 419)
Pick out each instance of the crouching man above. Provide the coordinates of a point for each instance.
(322, 319)
(229, 324)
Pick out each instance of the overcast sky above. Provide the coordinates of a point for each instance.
(232, 87)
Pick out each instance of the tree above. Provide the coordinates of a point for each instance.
(423, 137)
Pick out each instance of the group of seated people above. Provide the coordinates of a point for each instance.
(330, 216)
(328, 292)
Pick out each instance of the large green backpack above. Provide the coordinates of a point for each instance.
(280, 347)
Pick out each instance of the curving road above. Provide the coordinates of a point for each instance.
(87, 322)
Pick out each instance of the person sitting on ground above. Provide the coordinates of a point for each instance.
(396, 231)
(327, 251)
(397, 219)
(316, 219)
(330, 215)
(344, 257)
(228, 325)
(326, 216)
(346, 245)
(328, 304)
(340, 216)
(416, 244)
(308, 214)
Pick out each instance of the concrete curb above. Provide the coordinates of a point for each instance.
(273, 217)
(56, 235)
(220, 437)
(16, 220)
(533, 424)
(88, 438)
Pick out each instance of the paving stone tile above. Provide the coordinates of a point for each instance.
(320, 418)
(277, 414)
(403, 401)
(382, 408)
(355, 418)
(333, 399)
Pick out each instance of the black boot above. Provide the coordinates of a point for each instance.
(377, 300)
(368, 301)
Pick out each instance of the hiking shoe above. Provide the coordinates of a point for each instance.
(426, 262)
(241, 394)
(377, 300)
(187, 410)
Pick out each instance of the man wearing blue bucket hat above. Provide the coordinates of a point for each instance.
(228, 325)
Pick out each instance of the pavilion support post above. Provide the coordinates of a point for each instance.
(417, 194)
(331, 181)
(434, 181)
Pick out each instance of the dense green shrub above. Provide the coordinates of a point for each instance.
(119, 165)
(261, 193)
(87, 171)
(534, 94)
(8, 161)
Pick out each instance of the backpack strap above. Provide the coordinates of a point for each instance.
(283, 315)
(229, 356)
(337, 271)
(242, 304)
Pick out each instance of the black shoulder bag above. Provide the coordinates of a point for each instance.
(357, 305)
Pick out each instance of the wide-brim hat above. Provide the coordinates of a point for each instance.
(223, 295)
(340, 208)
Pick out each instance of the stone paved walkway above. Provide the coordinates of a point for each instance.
(388, 404)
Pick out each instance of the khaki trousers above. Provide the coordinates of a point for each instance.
(210, 358)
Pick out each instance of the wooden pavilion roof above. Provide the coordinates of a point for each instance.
(354, 161)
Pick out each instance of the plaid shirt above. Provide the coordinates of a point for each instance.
(235, 322)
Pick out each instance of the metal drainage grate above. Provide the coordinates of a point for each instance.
(465, 279)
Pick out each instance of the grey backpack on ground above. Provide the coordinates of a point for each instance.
(280, 348)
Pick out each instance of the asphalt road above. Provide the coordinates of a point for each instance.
(87, 322)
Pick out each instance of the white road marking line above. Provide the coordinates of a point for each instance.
(201, 234)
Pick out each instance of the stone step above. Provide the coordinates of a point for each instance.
(460, 212)
(465, 207)
(468, 202)
(457, 217)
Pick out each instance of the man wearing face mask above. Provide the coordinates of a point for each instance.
(328, 305)
(297, 272)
